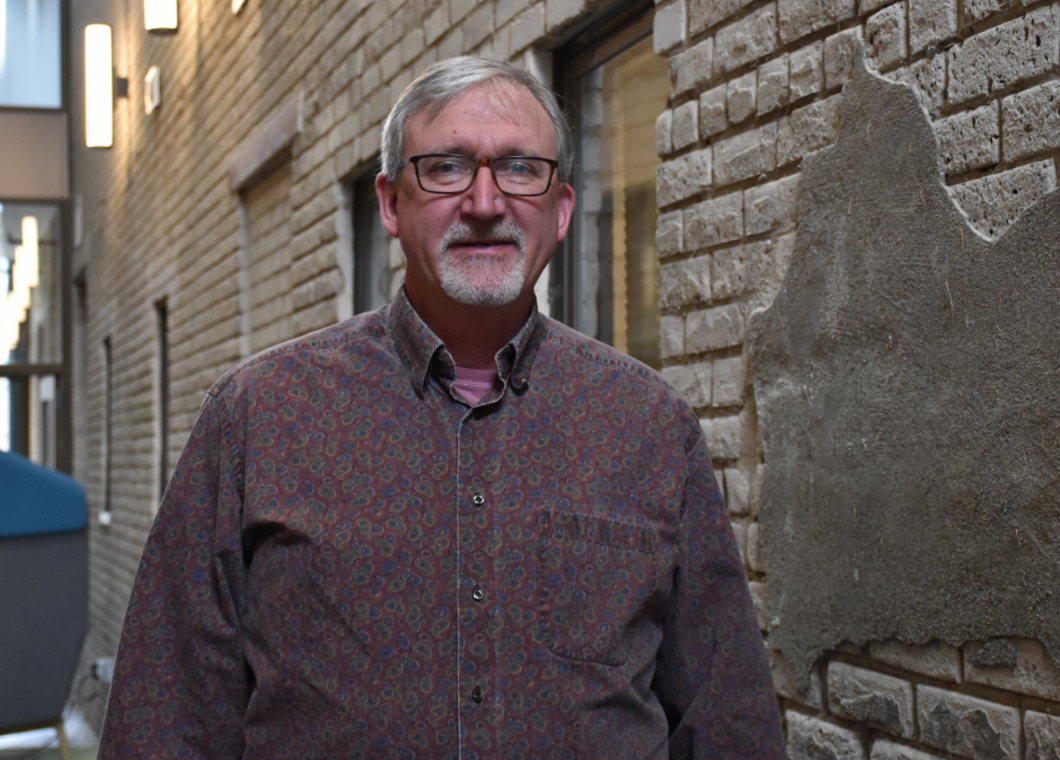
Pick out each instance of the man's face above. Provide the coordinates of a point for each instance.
(479, 247)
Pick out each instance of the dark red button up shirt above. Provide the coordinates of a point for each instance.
(352, 562)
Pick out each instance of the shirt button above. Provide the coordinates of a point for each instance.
(478, 594)
(519, 383)
(478, 500)
(476, 695)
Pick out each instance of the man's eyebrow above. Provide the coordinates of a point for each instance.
(460, 150)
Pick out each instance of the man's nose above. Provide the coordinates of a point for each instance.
(484, 200)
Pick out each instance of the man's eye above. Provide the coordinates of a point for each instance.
(446, 167)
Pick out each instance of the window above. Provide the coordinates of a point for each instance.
(372, 285)
(606, 283)
(30, 58)
(161, 396)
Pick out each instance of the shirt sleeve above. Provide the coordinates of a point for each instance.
(712, 676)
(180, 684)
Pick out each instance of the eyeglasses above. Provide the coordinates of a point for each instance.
(449, 174)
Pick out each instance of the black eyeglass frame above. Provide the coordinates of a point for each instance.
(415, 161)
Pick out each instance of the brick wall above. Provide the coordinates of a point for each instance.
(757, 85)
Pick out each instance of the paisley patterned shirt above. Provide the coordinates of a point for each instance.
(352, 562)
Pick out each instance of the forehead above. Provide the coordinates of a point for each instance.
(503, 115)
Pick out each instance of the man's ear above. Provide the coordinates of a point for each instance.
(386, 192)
(566, 209)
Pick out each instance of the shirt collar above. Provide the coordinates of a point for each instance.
(422, 351)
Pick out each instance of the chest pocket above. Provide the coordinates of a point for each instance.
(594, 575)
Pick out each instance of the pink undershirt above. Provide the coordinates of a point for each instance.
(473, 384)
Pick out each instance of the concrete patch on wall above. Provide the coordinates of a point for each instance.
(907, 380)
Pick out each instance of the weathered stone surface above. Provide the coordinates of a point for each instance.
(683, 177)
(977, 10)
(669, 26)
(885, 35)
(663, 139)
(740, 96)
(814, 739)
(730, 380)
(1042, 736)
(807, 71)
(773, 84)
(739, 535)
(928, 77)
(930, 22)
(937, 659)
(782, 682)
(772, 207)
(748, 154)
(692, 381)
(1002, 56)
(758, 597)
(808, 129)
(967, 725)
(866, 7)
(692, 68)
(971, 139)
(1017, 664)
(902, 342)
(716, 221)
(840, 52)
(865, 696)
(1032, 121)
(745, 40)
(685, 283)
(685, 130)
(754, 553)
(712, 117)
(714, 328)
(669, 233)
(797, 18)
(740, 269)
(996, 201)
(885, 750)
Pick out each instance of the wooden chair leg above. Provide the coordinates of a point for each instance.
(64, 748)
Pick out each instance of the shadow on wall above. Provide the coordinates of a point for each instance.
(907, 379)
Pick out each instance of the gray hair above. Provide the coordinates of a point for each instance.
(436, 87)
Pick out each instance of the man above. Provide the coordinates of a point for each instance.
(451, 528)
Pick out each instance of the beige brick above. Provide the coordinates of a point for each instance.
(745, 155)
(671, 336)
(754, 547)
(969, 726)
(724, 437)
(692, 381)
(931, 22)
(1031, 121)
(685, 283)
(807, 71)
(691, 68)
(1042, 734)
(772, 85)
(730, 380)
(813, 738)
(1032, 672)
(745, 40)
(669, 26)
(758, 598)
(772, 207)
(685, 130)
(739, 535)
(505, 10)
(528, 28)
(840, 52)
(704, 14)
(885, 36)
(883, 749)
(712, 117)
(669, 232)
(718, 220)
(436, 24)
(1003, 56)
(808, 129)
(740, 97)
(996, 201)
(740, 269)
(715, 328)
(785, 687)
(970, 140)
(867, 697)
(683, 177)
(663, 133)
(560, 12)
(928, 77)
(936, 659)
(798, 18)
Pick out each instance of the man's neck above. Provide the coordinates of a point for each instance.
(473, 334)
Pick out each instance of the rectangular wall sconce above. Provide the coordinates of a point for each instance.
(237, 6)
(99, 87)
(152, 90)
(160, 15)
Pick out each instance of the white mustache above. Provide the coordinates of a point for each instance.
(462, 232)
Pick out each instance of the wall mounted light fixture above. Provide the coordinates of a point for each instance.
(160, 15)
(237, 5)
(152, 90)
(99, 87)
